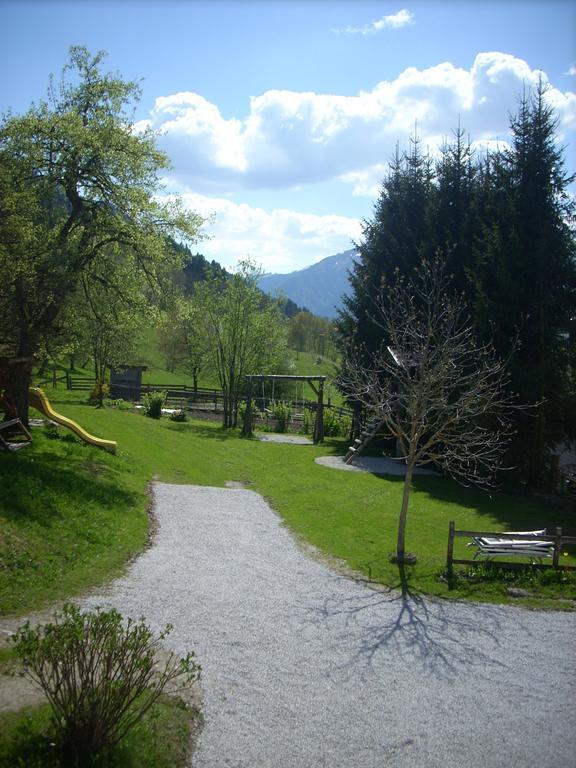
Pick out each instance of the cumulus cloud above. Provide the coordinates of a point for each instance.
(393, 21)
(572, 70)
(291, 138)
(280, 240)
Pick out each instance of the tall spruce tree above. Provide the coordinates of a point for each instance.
(395, 241)
(528, 278)
(508, 221)
(457, 225)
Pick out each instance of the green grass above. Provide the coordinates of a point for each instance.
(160, 740)
(72, 515)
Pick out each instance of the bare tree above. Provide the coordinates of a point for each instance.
(440, 392)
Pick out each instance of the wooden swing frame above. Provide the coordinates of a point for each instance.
(317, 385)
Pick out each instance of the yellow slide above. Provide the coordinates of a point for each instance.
(38, 400)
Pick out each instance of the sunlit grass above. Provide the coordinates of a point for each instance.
(72, 514)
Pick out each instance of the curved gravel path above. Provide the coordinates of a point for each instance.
(304, 667)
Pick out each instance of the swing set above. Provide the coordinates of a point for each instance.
(317, 385)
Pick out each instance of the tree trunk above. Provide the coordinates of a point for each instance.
(400, 545)
(227, 405)
(15, 378)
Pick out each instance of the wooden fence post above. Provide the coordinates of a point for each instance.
(557, 547)
(450, 553)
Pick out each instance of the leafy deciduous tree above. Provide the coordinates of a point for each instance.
(245, 332)
(75, 179)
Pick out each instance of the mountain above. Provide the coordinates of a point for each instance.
(318, 288)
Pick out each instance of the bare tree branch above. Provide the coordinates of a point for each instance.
(443, 395)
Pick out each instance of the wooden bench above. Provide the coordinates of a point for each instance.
(525, 544)
(536, 545)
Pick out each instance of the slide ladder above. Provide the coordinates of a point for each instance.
(369, 431)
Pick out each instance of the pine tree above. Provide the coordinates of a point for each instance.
(528, 280)
(396, 240)
(457, 223)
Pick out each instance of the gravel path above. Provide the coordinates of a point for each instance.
(303, 667)
(376, 465)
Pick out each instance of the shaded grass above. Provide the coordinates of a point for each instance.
(160, 740)
(70, 517)
(79, 513)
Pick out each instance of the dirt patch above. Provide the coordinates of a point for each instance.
(17, 692)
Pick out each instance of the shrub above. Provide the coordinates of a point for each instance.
(281, 412)
(98, 673)
(153, 403)
(120, 404)
(307, 421)
(99, 392)
(335, 425)
(242, 405)
(179, 415)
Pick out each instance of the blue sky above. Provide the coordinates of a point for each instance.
(280, 117)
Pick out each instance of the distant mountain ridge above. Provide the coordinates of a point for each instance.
(319, 288)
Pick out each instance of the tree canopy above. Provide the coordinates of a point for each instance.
(78, 188)
(244, 332)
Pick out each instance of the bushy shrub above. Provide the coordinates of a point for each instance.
(307, 421)
(99, 675)
(281, 411)
(99, 392)
(153, 403)
(178, 415)
(335, 425)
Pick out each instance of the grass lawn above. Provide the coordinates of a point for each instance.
(71, 515)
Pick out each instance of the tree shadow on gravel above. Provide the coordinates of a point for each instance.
(444, 639)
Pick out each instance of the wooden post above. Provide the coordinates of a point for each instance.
(557, 548)
(450, 553)
(319, 423)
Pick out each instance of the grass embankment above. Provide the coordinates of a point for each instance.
(72, 515)
(160, 740)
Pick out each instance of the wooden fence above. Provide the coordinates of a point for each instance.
(200, 399)
(52, 380)
(85, 383)
(559, 540)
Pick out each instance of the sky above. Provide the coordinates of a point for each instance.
(280, 116)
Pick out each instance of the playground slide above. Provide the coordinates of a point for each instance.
(38, 400)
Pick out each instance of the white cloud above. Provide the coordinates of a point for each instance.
(393, 21)
(572, 70)
(281, 240)
(291, 138)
